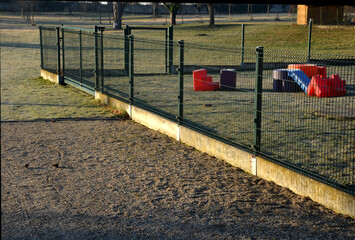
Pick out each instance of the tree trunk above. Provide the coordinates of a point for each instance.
(118, 8)
(173, 18)
(173, 8)
(155, 9)
(211, 12)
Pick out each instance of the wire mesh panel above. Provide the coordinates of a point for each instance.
(220, 101)
(87, 58)
(49, 49)
(152, 85)
(116, 80)
(71, 51)
(312, 131)
(79, 56)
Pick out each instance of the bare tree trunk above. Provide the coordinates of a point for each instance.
(173, 18)
(173, 8)
(118, 8)
(155, 9)
(211, 13)
(32, 17)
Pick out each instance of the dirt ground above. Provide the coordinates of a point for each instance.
(116, 179)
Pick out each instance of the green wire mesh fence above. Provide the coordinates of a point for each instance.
(242, 96)
(48, 40)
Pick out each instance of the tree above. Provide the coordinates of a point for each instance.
(198, 7)
(210, 7)
(155, 6)
(173, 8)
(118, 8)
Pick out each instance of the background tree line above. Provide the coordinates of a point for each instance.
(117, 8)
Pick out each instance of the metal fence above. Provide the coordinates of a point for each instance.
(308, 134)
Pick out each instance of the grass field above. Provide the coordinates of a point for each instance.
(291, 130)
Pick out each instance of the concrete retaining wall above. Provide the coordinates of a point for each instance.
(53, 77)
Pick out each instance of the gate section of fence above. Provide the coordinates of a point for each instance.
(49, 41)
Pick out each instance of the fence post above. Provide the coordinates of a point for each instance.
(59, 70)
(81, 57)
(257, 99)
(171, 48)
(61, 79)
(181, 82)
(102, 58)
(131, 68)
(126, 33)
(309, 40)
(96, 71)
(242, 57)
(41, 45)
(166, 50)
(58, 50)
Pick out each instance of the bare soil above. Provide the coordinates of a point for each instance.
(116, 179)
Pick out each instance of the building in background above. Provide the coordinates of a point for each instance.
(322, 15)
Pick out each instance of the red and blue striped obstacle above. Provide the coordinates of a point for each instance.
(310, 78)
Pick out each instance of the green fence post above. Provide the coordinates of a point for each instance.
(41, 45)
(96, 71)
(58, 56)
(131, 68)
(242, 56)
(181, 81)
(61, 79)
(81, 57)
(58, 50)
(257, 99)
(171, 48)
(126, 32)
(102, 58)
(166, 50)
(309, 40)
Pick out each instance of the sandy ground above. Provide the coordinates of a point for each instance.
(116, 179)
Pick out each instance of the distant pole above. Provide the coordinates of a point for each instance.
(100, 12)
(268, 8)
(182, 14)
(109, 15)
(251, 11)
(309, 39)
(229, 5)
(242, 56)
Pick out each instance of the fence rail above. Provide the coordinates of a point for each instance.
(267, 116)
